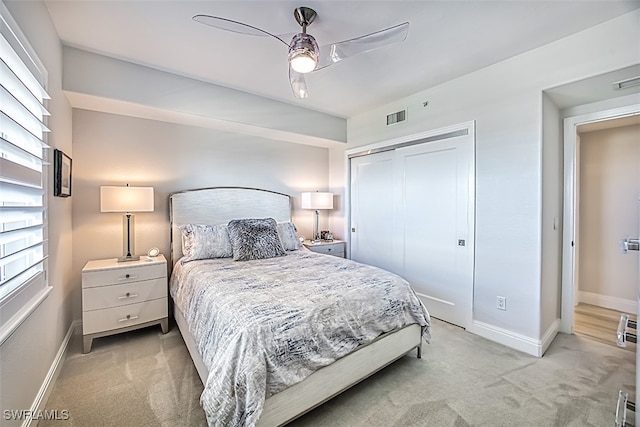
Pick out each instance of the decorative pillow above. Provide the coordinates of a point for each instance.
(288, 236)
(254, 239)
(200, 241)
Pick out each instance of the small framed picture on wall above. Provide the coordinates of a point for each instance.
(61, 174)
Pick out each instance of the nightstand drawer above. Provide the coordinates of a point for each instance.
(123, 316)
(135, 273)
(336, 250)
(97, 298)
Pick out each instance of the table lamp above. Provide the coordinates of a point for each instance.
(317, 200)
(127, 199)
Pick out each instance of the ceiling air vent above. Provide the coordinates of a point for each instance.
(397, 117)
(622, 84)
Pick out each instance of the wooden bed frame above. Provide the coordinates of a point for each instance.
(219, 205)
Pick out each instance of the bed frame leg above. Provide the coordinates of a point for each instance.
(419, 351)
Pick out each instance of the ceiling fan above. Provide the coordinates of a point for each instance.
(304, 54)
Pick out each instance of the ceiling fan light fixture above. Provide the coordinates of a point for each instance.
(304, 56)
(303, 62)
(303, 53)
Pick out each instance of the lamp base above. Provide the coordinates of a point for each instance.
(129, 258)
(316, 233)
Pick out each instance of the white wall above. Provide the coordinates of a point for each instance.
(609, 189)
(25, 358)
(505, 100)
(111, 149)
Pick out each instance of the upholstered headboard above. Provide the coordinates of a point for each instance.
(219, 205)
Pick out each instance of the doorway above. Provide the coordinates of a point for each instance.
(600, 209)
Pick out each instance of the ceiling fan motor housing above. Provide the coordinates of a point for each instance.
(303, 53)
(304, 15)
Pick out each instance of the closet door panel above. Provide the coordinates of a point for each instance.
(429, 211)
(435, 235)
(372, 210)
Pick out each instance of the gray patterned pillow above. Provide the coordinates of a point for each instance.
(200, 241)
(288, 236)
(254, 239)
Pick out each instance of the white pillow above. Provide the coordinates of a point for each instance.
(288, 236)
(201, 241)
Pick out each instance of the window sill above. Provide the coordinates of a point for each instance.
(18, 307)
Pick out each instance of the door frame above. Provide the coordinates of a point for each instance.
(570, 202)
(430, 135)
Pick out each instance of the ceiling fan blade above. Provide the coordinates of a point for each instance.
(335, 52)
(234, 26)
(298, 84)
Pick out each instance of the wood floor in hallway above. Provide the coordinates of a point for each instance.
(598, 323)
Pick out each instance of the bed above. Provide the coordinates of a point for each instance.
(289, 391)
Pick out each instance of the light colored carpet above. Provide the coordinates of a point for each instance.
(144, 378)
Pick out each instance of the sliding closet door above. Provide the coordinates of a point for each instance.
(436, 238)
(372, 210)
(412, 213)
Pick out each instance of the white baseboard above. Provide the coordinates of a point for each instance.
(514, 340)
(548, 337)
(50, 380)
(613, 303)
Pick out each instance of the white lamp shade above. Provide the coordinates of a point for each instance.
(126, 199)
(317, 200)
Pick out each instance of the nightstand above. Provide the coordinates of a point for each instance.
(123, 296)
(335, 247)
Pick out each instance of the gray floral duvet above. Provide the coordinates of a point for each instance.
(264, 325)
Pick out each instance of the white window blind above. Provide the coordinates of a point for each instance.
(22, 163)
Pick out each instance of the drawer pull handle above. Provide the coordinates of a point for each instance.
(128, 277)
(128, 295)
(129, 317)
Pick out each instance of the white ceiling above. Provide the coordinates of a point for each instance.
(446, 39)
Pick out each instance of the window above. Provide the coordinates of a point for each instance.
(23, 224)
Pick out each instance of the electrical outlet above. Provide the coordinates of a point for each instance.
(501, 303)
